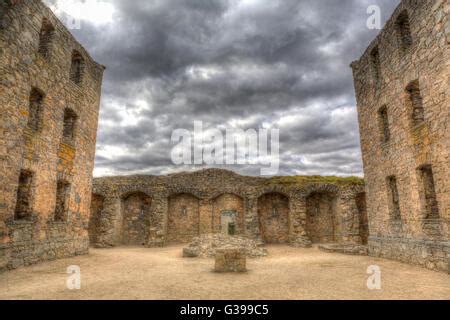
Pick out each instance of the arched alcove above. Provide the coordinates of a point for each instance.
(273, 214)
(135, 218)
(321, 220)
(183, 220)
(228, 214)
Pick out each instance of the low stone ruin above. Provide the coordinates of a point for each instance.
(206, 246)
(350, 249)
(230, 260)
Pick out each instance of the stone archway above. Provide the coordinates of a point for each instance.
(228, 209)
(97, 204)
(321, 218)
(273, 214)
(135, 218)
(183, 221)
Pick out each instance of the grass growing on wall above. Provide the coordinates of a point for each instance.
(340, 181)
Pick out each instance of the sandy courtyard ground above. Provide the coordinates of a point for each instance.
(287, 273)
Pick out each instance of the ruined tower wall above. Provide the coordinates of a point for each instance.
(49, 97)
(401, 85)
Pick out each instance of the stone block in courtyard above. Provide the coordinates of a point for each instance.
(230, 260)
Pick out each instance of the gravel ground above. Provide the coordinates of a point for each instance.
(162, 273)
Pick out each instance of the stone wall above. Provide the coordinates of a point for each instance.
(94, 221)
(186, 205)
(136, 210)
(401, 85)
(322, 223)
(48, 127)
(183, 221)
(363, 218)
(273, 215)
(228, 204)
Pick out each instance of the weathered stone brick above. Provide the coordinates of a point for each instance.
(230, 260)
(407, 170)
(35, 91)
(160, 210)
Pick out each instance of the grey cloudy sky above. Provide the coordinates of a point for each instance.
(239, 63)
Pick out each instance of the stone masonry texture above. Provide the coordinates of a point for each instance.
(48, 128)
(230, 260)
(402, 89)
(162, 210)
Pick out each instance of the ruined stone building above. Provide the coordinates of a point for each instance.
(162, 210)
(402, 88)
(49, 95)
(49, 100)
(49, 207)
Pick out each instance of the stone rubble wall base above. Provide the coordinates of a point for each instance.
(429, 254)
(349, 249)
(156, 243)
(20, 255)
(301, 242)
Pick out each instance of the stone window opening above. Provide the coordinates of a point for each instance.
(376, 64)
(142, 212)
(5, 6)
(62, 197)
(275, 212)
(428, 192)
(404, 30)
(184, 211)
(45, 38)
(35, 109)
(23, 209)
(416, 103)
(228, 222)
(394, 198)
(383, 120)
(231, 228)
(69, 128)
(77, 68)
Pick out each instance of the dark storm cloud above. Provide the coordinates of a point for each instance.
(280, 62)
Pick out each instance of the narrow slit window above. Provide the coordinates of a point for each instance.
(376, 64)
(69, 127)
(394, 198)
(404, 31)
(24, 193)
(5, 6)
(77, 68)
(416, 103)
(45, 38)
(275, 211)
(429, 192)
(35, 109)
(384, 124)
(62, 195)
